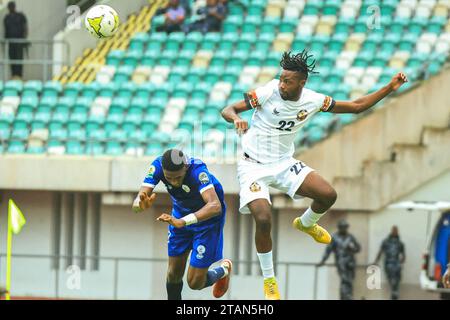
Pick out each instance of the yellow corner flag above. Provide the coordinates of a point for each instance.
(16, 217)
(16, 220)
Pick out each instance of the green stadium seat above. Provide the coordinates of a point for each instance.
(90, 90)
(132, 58)
(107, 90)
(117, 135)
(98, 135)
(5, 130)
(123, 74)
(144, 90)
(94, 148)
(72, 89)
(16, 147)
(32, 88)
(78, 134)
(138, 41)
(126, 90)
(52, 89)
(74, 147)
(114, 57)
(137, 136)
(153, 149)
(35, 150)
(29, 102)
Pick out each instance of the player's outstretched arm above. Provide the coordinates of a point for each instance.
(144, 199)
(211, 209)
(368, 101)
(231, 114)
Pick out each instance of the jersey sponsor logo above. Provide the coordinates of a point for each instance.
(275, 112)
(255, 187)
(186, 188)
(200, 252)
(302, 115)
(203, 178)
(151, 172)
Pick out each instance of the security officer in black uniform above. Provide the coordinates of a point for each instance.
(394, 257)
(344, 246)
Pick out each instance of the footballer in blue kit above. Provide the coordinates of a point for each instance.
(196, 223)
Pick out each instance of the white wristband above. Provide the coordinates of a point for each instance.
(190, 219)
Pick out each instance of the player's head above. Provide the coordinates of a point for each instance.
(296, 69)
(394, 231)
(174, 164)
(343, 226)
(174, 3)
(11, 6)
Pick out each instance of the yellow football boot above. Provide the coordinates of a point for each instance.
(317, 232)
(271, 289)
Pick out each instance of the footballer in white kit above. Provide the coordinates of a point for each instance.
(281, 109)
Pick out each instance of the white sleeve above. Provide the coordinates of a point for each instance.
(256, 98)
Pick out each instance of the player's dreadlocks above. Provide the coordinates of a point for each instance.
(298, 62)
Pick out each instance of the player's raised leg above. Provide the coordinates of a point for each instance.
(175, 272)
(200, 278)
(324, 196)
(262, 213)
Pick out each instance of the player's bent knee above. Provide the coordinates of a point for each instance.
(196, 283)
(329, 197)
(174, 276)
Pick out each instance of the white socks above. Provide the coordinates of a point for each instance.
(266, 262)
(310, 217)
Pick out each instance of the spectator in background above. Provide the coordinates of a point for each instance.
(394, 253)
(184, 3)
(214, 13)
(175, 15)
(16, 27)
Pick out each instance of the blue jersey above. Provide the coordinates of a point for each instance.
(187, 198)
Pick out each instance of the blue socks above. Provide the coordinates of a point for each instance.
(214, 275)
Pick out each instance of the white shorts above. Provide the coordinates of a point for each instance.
(256, 178)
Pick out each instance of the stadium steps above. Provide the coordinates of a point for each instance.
(86, 67)
(390, 152)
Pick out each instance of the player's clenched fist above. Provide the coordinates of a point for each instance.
(177, 223)
(241, 126)
(143, 201)
(397, 80)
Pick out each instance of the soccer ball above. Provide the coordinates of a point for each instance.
(102, 21)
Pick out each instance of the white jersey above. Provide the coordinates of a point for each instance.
(275, 121)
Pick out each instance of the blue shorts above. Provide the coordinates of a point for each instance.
(205, 242)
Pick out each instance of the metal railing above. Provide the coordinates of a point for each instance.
(34, 46)
(283, 277)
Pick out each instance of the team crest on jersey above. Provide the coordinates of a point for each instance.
(151, 171)
(255, 187)
(186, 188)
(200, 251)
(302, 115)
(203, 177)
